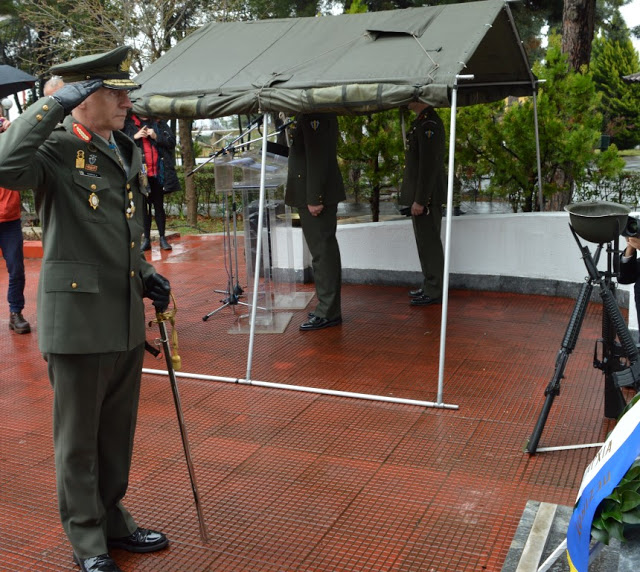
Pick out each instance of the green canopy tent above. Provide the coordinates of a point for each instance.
(351, 63)
(456, 54)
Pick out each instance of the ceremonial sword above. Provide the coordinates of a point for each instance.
(174, 360)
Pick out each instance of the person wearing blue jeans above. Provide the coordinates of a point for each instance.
(11, 244)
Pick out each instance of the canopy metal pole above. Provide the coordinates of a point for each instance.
(256, 268)
(447, 241)
(535, 123)
(304, 389)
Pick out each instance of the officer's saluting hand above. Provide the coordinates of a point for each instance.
(71, 95)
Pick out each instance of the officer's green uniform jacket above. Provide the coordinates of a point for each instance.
(91, 280)
(314, 176)
(424, 180)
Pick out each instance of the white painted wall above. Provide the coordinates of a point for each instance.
(528, 245)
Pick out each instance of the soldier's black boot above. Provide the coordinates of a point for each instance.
(164, 244)
(146, 245)
(18, 324)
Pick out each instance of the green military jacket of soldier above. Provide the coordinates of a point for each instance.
(91, 280)
(313, 150)
(424, 180)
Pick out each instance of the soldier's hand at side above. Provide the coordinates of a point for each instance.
(158, 289)
(417, 209)
(70, 95)
(315, 210)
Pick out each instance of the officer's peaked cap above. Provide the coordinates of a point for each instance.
(111, 67)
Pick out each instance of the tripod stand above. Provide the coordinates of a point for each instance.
(613, 356)
(233, 291)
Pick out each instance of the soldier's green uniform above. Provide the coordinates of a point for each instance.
(424, 182)
(91, 316)
(314, 178)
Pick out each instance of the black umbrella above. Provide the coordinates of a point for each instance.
(13, 80)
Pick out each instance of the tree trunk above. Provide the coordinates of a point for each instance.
(375, 193)
(188, 163)
(578, 20)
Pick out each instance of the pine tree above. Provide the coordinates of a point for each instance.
(613, 58)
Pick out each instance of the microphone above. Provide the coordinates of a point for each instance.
(285, 125)
(257, 121)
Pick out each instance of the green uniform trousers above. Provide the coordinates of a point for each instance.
(426, 228)
(320, 234)
(95, 408)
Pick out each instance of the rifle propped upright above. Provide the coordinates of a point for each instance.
(601, 223)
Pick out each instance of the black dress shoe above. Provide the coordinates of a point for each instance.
(164, 244)
(416, 293)
(146, 245)
(142, 540)
(318, 323)
(102, 563)
(425, 300)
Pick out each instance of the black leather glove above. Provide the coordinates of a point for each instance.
(158, 288)
(70, 95)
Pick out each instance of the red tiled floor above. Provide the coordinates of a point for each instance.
(293, 481)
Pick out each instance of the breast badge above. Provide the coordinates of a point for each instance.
(94, 201)
(92, 163)
(80, 160)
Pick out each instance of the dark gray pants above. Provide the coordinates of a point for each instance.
(426, 228)
(95, 407)
(320, 234)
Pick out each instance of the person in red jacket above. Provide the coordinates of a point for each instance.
(11, 245)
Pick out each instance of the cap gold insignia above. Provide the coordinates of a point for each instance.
(80, 160)
(126, 63)
(94, 201)
(314, 124)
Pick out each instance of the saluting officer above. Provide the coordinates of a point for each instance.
(424, 190)
(315, 187)
(91, 318)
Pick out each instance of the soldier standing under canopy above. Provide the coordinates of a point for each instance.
(315, 187)
(424, 190)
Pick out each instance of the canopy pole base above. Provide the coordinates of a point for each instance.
(304, 389)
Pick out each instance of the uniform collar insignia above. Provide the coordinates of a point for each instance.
(82, 132)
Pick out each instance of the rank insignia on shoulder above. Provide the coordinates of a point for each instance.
(80, 159)
(81, 132)
(315, 124)
(94, 201)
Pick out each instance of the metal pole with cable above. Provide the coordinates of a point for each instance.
(256, 278)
